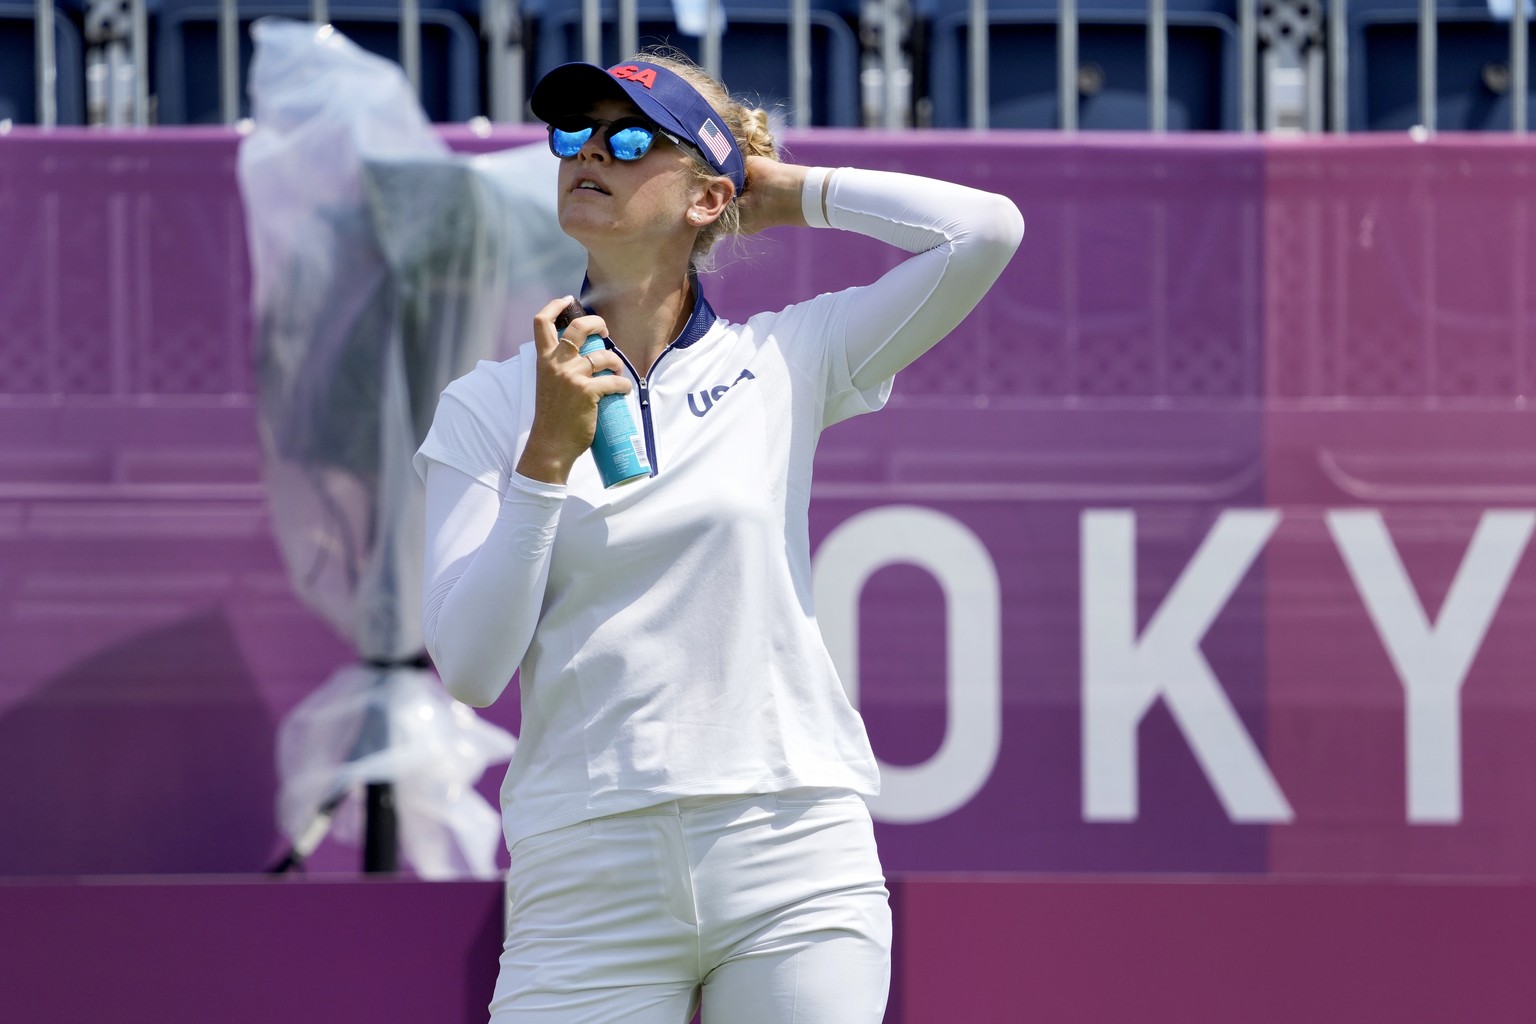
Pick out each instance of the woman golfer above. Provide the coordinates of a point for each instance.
(686, 807)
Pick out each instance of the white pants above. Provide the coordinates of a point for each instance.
(773, 907)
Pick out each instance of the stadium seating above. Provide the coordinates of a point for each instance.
(1472, 89)
(186, 64)
(1112, 53)
(755, 48)
(18, 68)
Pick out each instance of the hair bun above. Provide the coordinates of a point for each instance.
(757, 133)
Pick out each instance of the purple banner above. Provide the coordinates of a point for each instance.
(1201, 546)
(249, 951)
(968, 950)
(1063, 951)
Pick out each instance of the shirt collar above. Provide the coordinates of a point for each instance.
(699, 321)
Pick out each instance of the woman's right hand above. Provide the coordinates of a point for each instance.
(567, 392)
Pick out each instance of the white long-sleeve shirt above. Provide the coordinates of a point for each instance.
(664, 629)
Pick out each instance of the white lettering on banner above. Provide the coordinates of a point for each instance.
(1123, 675)
(1432, 660)
(956, 558)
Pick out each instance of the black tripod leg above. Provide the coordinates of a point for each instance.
(381, 847)
(310, 838)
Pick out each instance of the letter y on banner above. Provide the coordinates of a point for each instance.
(1432, 658)
(1124, 675)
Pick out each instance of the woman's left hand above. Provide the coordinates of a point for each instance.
(772, 196)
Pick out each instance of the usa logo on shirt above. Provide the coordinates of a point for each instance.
(714, 140)
(709, 396)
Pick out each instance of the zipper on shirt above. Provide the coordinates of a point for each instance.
(643, 386)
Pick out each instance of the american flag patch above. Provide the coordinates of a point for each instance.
(714, 140)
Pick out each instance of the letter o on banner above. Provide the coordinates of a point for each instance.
(973, 692)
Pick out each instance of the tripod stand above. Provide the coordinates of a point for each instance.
(388, 734)
(380, 823)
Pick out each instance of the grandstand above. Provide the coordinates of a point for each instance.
(1184, 65)
(1207, 618)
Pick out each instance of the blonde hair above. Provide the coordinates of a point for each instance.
(750, 127)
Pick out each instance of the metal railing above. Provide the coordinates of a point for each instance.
(1519, 69)
(1248, 63)
(507, 60)
(1067, 85)
(47, 66)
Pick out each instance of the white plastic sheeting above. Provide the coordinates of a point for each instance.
(437, 749)
(383, 267)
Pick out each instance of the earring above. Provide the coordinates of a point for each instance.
(695, 218)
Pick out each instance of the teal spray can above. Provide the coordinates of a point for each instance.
(618, 448)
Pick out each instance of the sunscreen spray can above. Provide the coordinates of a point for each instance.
(618, 446)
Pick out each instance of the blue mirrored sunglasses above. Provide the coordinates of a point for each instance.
(628, 138)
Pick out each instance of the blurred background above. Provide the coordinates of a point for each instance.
(1186, 590)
